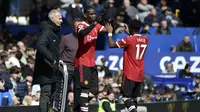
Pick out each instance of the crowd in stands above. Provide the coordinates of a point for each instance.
(160, 16)
(17, 54)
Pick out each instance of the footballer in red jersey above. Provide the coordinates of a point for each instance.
(135, 46)
(86, 76)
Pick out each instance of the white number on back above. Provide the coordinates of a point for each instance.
(138, 55)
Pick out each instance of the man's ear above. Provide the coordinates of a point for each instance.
(52, 19)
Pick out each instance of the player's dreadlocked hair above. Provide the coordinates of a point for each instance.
(134, 26)
(89, 7)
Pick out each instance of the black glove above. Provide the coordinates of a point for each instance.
(101, 19)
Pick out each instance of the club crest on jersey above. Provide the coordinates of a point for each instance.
(90, 38)
(86, 82)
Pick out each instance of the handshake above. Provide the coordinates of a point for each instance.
(103, 19)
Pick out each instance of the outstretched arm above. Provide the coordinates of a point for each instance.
(83, 32)
(111, 43)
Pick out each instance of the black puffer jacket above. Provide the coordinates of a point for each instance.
(184, 47)
(46, 70)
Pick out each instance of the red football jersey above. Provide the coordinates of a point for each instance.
(86, 51)
(134, 50)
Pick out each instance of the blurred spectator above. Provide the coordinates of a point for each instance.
(70, 98)
(115, 88)
(22, 48)
(22, 34)
(101, 87)
(147, 81)
(19, 55)
(168, 96)
(5, 85)
(190, 86)
(12, 61)
(35, 93)
(197, 79)
(1, 47)
(6, 36)
(107, 71)
(5, 82)
(30, 40)
(3, 59)
(27, 101)
(107, 103)
(145, 29)
(28, 81)
(153, 19)
(130, 10)
(14, 77)
(66, 3)
(99, 9)
(179, 95)
(28, 69)
(144, 9)
(118, 77)
(169, 68)
(5, 97)
(101, 71)
(158, 96)
(51, 3)
(185, 45)
(75, 10)
(146, 98)
(116, 91)
(100, 96)
(106, 80)
(172, 20)
(21, 88)
(163, 28)
(185, 73)
(111, 9)
(197, 92)
(119, 26)
(196, 31)
(172, 48)
(14, 48)
(15, 101)
(30, 53)
(36, 13)
(161, 7)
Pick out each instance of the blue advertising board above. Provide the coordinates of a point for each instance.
(155, 62)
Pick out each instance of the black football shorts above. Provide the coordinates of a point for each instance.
(131, 88)
(86, 77)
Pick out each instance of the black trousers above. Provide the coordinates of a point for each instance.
(71, 78)
(47, 91)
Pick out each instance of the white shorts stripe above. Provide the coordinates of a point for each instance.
(131, 108)
(85, 109)
(124, 99)
(85, 95)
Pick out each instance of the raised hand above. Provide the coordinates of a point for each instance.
(109, 27)
(99, 19)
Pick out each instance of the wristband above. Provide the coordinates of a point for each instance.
(109, 34)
